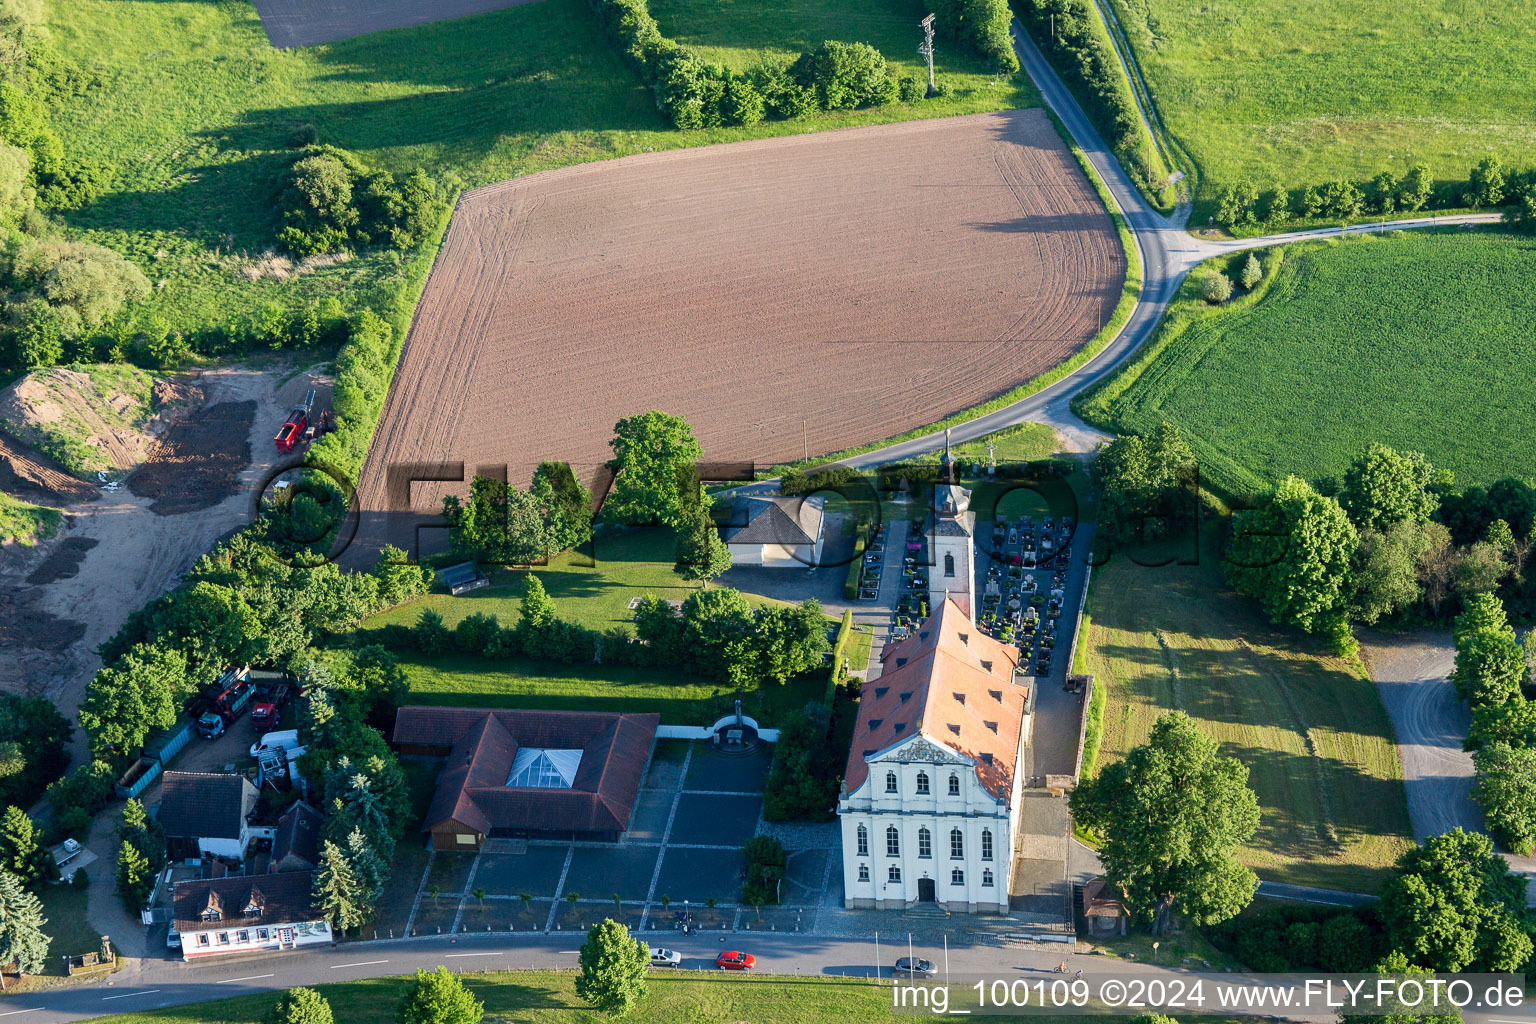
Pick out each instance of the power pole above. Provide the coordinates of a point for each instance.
(927, 49)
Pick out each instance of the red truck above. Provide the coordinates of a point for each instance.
(269, 705)
(292, 432)
(225, 708)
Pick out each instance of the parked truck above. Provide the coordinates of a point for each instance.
(227, 706)
(291, 434)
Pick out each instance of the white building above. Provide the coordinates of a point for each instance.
(951, 540)
(932, 791)
(247, 914)
(207, 815)
(777, 532)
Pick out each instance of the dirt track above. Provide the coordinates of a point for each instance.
(307, 22)
(785, 295)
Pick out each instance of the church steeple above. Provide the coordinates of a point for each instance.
(947, 463)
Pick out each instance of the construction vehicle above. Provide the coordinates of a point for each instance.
(292, 432)
(268, 709)
(226, 707)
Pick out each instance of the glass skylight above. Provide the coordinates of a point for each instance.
(539, 768)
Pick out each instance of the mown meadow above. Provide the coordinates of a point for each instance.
(198, 114)
(1306, 91)
(1415, 340)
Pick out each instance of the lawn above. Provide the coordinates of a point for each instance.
(1309, 726)
(594, 588)
(197, 111)
(1302, 380)
(1305, 91)
(547, 997)
(463, 680)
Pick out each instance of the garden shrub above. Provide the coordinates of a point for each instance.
(846, 75)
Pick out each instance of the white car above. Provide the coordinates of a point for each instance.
(665, 957)
(284, 739)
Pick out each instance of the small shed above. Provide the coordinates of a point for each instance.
(462, 578)
(1102, 909)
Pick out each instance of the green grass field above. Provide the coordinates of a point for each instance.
(1310, 727)
(1305, 91)
(1303, 379)
(26, 523)
(197, 111)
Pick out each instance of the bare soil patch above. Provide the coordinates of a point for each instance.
(63, 562)
(307, 22)
(787, 296)
(198, 462)
(29, 474)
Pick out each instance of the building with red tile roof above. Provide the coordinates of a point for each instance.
(931, 792)
(528, 773)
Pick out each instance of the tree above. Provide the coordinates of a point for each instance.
(22, 941)
(1216, 288)
(613, 967)
(1343, 199)
(135, 877)
(653, 453)
(398, 579)
(1416, 189)
(1385, 571)
(538, 607)
(701, 554)
(1490, 662)
(1384, 192)
(1454, 905)
(1395, 1011)
(1144, 484)
(1521, 214)
(22, 852)
(1237, 202)
(301, 1006)
(499, 525)
(718, 630)
(1485, 185)
(743, 103)
(437, 997)
(1293, 554)
(212, 625)
(1252, 273)
(791, 639)
(128, 699)
(1171, 813)
(338, 893)
(1384, 486)
(1505, 786)
(566, 506)
(1277, 205)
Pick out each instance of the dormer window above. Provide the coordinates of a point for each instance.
(874, 723)
(900, 662)
(960, 697)
(900, 728)
(987, 666)
(214, 909)
(991, 725)
(256, 904)
(881, 691)
(997, 695)
(965, 638)
(954, 728)
(906, 696)
(986, 758)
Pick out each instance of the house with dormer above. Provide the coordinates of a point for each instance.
(246, 914)
(932, 791)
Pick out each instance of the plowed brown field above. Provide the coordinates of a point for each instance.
(784, 295)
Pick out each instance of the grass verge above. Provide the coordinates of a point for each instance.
(1310, 727)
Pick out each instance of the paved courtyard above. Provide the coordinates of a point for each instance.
(682, 851)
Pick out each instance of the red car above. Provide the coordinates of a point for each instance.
(731, 960)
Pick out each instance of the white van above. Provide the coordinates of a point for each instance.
(284, 739)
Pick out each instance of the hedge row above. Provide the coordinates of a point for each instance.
(1071, 36)
(835, 674)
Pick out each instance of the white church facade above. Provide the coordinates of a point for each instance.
(930, 804)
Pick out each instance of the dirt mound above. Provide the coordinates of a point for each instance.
(99, 419)
(27, 473)
(198, 462)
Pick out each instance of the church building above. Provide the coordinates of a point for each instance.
(931, 793)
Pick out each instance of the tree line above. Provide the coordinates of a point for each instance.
(1395, 542)
(695, 93)
(1487, 186)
